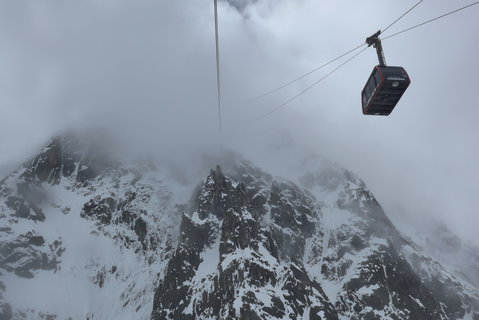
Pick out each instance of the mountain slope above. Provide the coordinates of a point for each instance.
(81, 238)
(85, 235)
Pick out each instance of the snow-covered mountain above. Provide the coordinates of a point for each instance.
(86, 236)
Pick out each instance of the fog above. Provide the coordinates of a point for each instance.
(144, 71)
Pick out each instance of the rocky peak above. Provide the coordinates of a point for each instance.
(247, 246)
(232, 265)
(68, 156)
(219, 195)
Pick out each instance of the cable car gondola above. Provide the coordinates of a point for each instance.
(385, 85)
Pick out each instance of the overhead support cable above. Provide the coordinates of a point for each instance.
(402, 16)
(304, 75)
(218, 78)
(308, 87)
(431, 20)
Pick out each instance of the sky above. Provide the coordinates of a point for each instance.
(145, 70)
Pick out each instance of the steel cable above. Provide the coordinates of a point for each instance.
(403, 15)
(308, 87)
(303, 76)
(431, 20)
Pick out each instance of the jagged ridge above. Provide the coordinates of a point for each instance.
(249, 246)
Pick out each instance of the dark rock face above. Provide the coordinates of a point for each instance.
(125, 210)
(5, 308)
(28, 253)
(53, 162)
(391, 285)
(24, 210)
(250, 271)
(66, 157)
(25, 203)
(47, 166)
(141, 229)
(99, 208)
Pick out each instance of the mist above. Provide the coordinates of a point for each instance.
(144, 73)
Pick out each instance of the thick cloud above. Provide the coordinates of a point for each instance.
(145, 70)
(241, 4)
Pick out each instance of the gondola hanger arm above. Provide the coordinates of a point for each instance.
(376, 43)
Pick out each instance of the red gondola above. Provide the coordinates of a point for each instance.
(385, 85)
(384, 88)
